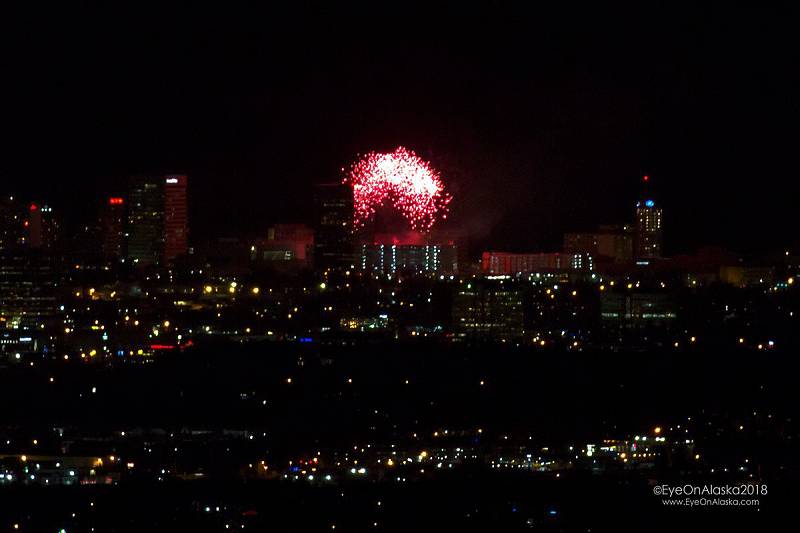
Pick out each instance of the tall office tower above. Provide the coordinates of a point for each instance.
(333, 227)
(157, 231)
(176, 227)
(145, 231)
(112, 225)
(41, 226)
(12, 228)
(648, 230)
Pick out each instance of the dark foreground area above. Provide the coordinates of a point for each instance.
(484, 503)
(404, 437)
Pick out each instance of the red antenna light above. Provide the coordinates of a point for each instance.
(646, 178)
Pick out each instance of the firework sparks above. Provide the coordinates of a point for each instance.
(402, 179)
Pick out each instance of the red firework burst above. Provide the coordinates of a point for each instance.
(404, 180)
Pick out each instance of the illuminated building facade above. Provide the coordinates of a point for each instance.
(176, 225)
(488, 311)
(409, 258)
(333, 227)
(28, 286)
(509, 264)
(145, 234)
(648, 230)
(637, 309)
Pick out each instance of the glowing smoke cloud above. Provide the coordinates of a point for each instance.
(405, 181)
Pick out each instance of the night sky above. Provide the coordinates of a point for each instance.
(540, 122)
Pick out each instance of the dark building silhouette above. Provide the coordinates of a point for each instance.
(27, 225)
(112, 224)
(608, 243)
(145, 233)
(12, 229)
(41, 227)
(333, 227)
(287, 247)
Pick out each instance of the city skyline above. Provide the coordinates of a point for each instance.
(398, 267)
(538, 133)
(643, 226)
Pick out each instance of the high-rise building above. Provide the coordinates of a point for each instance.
(27, 225)
(648, 230)
(12, 230)
(112, 225)
(157, 227)
(145, 231)
(41, 226)
(176, 227)
(333, 229)
(35, 226)
(607, 243)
